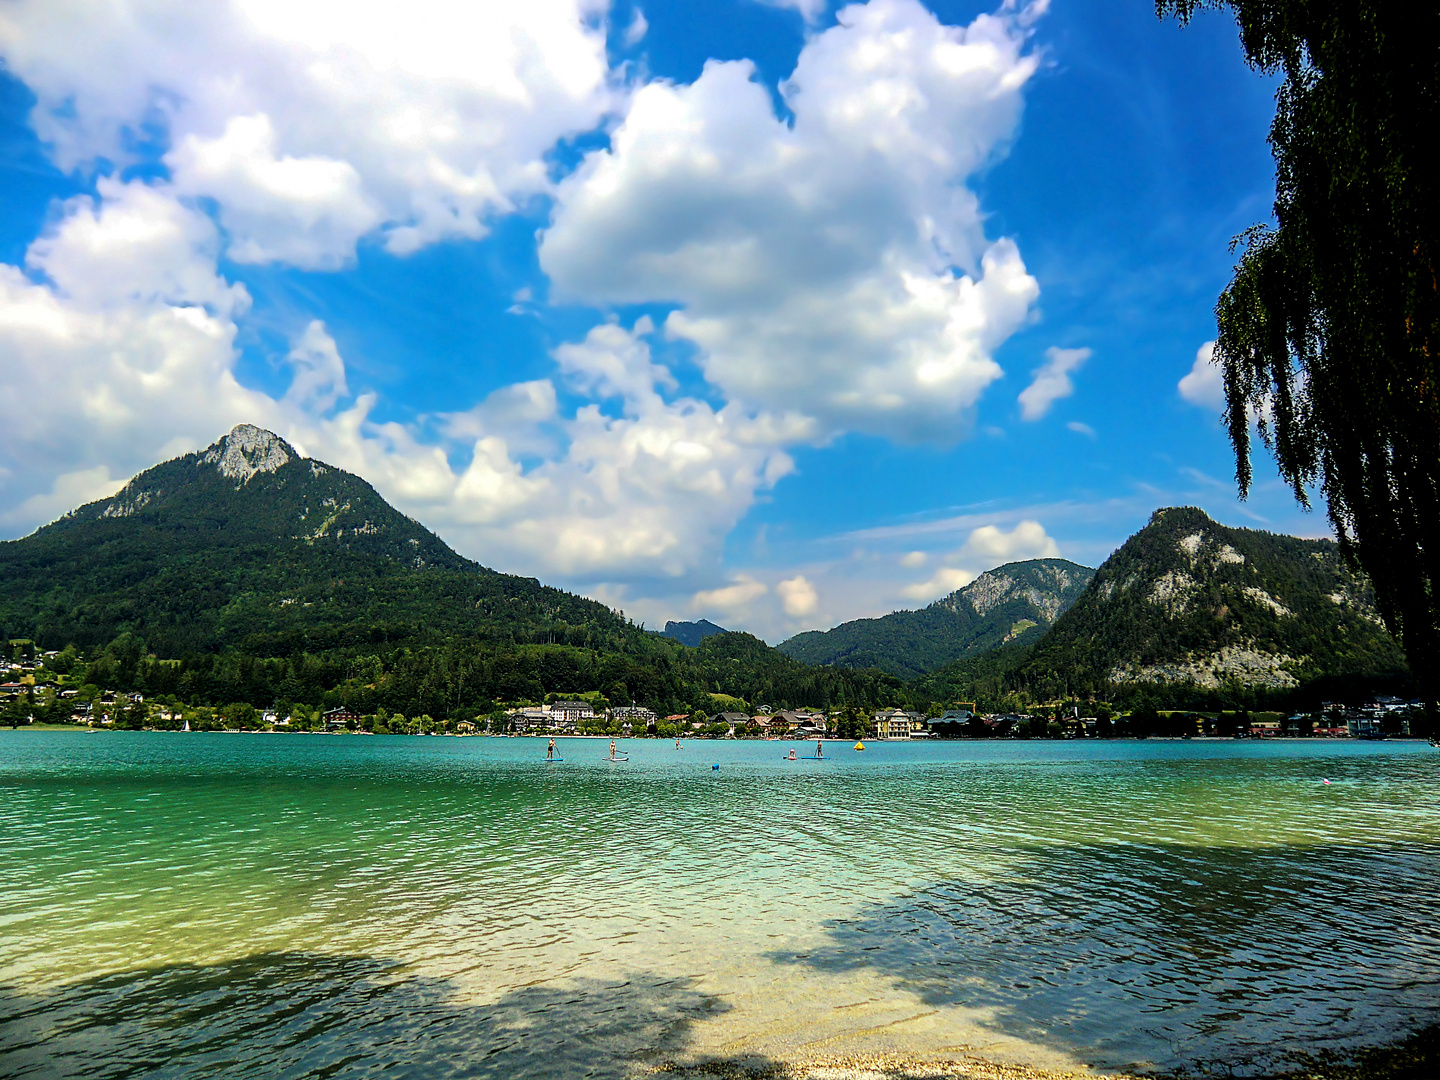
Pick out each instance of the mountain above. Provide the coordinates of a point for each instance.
(1189, 603)
(1016, 602)
(248, 544)
(692, 633)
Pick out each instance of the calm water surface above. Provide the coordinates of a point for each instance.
(242, 905)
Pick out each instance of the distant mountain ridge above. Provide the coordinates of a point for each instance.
(692, 633)
(248, 543)
(1015, 602)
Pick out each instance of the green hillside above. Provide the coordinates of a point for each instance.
(1016, 602)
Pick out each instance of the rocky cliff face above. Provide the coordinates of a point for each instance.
(1047, 585)
(248, 450)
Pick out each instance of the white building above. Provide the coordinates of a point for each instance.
(634, 717)
(568, 714)
(899, 724)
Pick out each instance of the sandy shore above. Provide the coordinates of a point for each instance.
(872, 1067)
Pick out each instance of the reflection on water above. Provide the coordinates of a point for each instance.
(291, 1015)
(1136, 954)
(201, 905)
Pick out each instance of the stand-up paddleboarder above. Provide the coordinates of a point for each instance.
(550, 750)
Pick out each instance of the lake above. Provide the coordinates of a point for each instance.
(188, 905)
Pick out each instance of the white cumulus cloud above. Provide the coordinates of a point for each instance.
(730, 599)
(1051, 381)
(814, 263)
(943, 582)
(315, 122)
(123, 352)
(1204, 385)
(798, 596)
(992, 545)
(650, 493)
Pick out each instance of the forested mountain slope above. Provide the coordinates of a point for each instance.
(1188, 600)
(1016, 602)
(1189, 603)
(248, 544)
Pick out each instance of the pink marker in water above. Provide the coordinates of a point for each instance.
(1325, 781)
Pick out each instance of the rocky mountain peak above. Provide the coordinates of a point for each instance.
(247, 451)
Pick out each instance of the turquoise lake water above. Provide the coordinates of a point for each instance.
(188, 905)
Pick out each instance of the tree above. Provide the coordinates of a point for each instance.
(852, 723)
(1329, 333)
(16, 711)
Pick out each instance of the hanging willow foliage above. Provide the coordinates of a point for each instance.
(1328, 334)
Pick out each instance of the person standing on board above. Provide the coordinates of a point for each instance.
(819, 750)
(612, 749)
(550, 751)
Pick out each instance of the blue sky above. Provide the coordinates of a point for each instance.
(775, 314)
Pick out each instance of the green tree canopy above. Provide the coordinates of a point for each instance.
(1329, 333)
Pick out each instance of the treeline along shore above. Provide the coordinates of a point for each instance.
(730, 686)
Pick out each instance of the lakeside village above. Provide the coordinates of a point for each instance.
(36, 691)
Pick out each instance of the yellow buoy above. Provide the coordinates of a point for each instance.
(859, 746)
